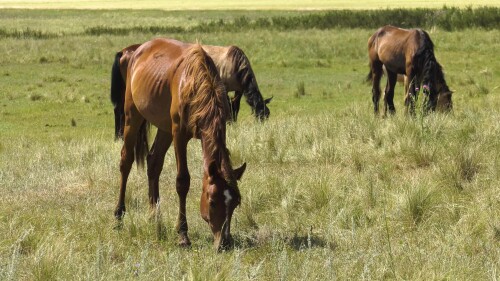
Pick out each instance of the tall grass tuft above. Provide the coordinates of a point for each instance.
(419, 203)
(301, 90)
(468, 165)
(27, 33)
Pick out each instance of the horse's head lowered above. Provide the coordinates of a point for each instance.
(444, 102)
(439, 87)
(259, 106)
(219, 198)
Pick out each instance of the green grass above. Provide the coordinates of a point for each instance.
(240, 5)
(23, 24)
(330, 192)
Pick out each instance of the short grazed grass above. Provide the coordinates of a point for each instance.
(330, 192)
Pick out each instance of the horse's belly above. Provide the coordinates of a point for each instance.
(398, 68)
(154, 107)
(393, 58)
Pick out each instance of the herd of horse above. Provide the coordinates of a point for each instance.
(182, 89)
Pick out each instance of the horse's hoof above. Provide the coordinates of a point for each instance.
(118, 225)
(119, 213)
(184, 242)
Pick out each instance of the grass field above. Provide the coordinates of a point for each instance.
(330, 191)
(243, 5)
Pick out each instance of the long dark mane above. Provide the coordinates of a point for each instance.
(431, 72)
(245, 74)
(204, 108)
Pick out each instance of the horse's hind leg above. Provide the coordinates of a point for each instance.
(133, 122)
(155, 161)
(389, 92)
(376, 69)
(182, 186)
(118, 121)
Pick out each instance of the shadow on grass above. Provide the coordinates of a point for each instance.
(295, 242)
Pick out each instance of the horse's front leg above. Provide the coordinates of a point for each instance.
(235, 104)
(389, 93)
(411, 94)
(182, 186)
(155, 161)
(376, 71)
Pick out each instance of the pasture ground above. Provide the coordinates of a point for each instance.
(330, 191)
(241, 5)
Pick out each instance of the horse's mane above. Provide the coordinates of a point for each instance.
(204, 107)
(240, 65)
(242, 68)
(425, 60)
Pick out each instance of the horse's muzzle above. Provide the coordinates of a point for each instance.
(223, 243)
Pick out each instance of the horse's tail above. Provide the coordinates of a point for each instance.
(118, 94)
(372, 48)
(117, 82)
(141, 146)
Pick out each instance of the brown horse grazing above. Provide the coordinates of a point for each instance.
(176, 87)
(234, 69)
(408, 52)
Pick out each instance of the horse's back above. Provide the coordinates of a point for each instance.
(394, 47)
(159, 51)
(152, 69)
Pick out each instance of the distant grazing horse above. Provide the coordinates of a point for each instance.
(234, 69)
(408, 52)
(177, 88)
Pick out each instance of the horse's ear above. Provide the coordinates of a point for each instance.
(239, 171)
(266, 101)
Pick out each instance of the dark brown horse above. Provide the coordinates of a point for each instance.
(234, 69)
(176, 87)
(409, 52)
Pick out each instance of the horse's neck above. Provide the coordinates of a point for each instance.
(214, 151)
(251, 91)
